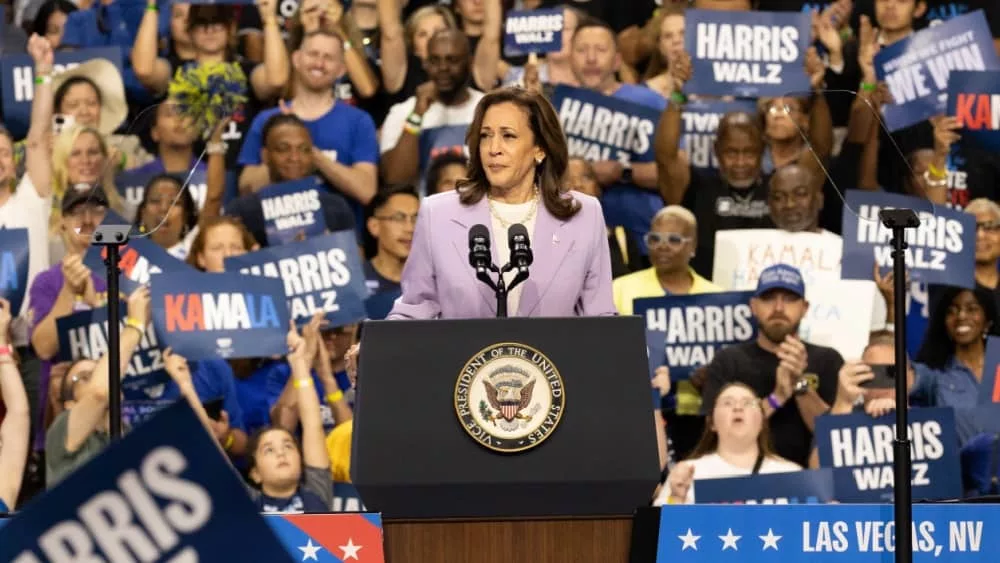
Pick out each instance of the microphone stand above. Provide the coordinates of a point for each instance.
(113, 237)
(899, 220)
(500, 287)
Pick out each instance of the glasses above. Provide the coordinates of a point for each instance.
(83, 210)
(399, 218)
(745, 403)
(654, 238)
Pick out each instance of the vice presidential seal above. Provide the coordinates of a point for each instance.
(509, 397)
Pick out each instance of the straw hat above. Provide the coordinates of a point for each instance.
(114, 109)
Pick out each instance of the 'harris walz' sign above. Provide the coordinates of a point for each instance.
(699, 123)
(600, 127)
(940, 251)
(14, 254)
(532, 31)
(748, 54)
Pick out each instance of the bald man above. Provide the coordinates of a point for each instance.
(795, 199)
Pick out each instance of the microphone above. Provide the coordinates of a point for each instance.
(479, 248)
(520, 247)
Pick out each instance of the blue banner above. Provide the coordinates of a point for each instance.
(697, 325)
(228, 315)
(656, 353)
(167, 483)
(974, 99)
(14, 255)
(796, 487)
(132, 183)
(292, 210)
(532, 31)
(916, 68)
(319, 274)
(825, 533)
(17, 81)
(346, 498)
(859, 449)
(138, 260)
(747, 54)
(84, 334)
(600, 127)
(699, 122)
(379, 305)
(989, 391)
(942, 250)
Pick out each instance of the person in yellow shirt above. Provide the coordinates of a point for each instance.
(672, 240)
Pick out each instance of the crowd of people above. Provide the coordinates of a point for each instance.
(374, 100)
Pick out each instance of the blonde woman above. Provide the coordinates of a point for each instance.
(403, 49)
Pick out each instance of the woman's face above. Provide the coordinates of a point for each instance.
(210, 39)
(671, 41)
(6, 160)
(277, 459)
(507, 147)
(426, 27)
(737, 414)
(288, 152)
(580, 177)
(54, 28)
(160, 216)
(448, 177)
(965, 320)
(987, 237)
(83, 103)
(178, 23)
(221, 242)
(86, 160)
(781, 125)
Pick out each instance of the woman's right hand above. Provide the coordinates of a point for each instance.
(679, 481)
(351, 361)
(41, 52)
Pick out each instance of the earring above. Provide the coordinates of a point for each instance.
(539, 160)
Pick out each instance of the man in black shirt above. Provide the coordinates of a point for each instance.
(797, 380)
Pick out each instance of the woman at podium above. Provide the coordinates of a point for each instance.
(518, 157)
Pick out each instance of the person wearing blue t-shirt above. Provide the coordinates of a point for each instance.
(630, 196)
(345, 151)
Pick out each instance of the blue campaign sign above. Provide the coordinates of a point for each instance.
(747, 54)
(132, 183)
(138, 260)
(974, 99)
(292, 210)
(656, 345)
(989, 391)
(14, 267)
(600, 127)
(699, 121)
(796, 487)
(532, 31)
(379, 305)
(84, 334)
(825, 533)
(179, 496)
(346, 498)
(318, 274)
(17, 81)
(697, 325)
(859, 449)
(942, 250)
(916, 69)
(228, 315)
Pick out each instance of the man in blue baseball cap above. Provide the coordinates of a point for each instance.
(796, 381)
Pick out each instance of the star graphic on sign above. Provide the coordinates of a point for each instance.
(770, 540)
(690, 540)
(729, 540)
(350, 550)
(309, 551)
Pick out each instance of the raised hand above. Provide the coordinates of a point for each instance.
(680, 69)
(139, 306)
(868, 47)
(41, 52)
(5, 318)
(177, 367)
(75, 274)
(849, 381)
(680, 480)
(661, 380)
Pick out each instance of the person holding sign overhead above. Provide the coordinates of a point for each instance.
(16, 425)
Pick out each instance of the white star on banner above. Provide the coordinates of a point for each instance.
(690, 540)
(309, 551)
(350, 550)
(729, 540)
(770, 540)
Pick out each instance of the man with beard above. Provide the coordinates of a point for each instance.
(344, 150)
(435, 120)
(796, 380)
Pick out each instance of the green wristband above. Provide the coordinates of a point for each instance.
(868, 87)
(678, 98)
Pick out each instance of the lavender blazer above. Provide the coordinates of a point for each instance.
(570, 275)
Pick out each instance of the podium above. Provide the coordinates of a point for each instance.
(490, 439)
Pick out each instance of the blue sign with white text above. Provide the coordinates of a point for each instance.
(532, 31)
(696, 326)
(132, 183)
(825, 533)
(17, 81)
(229, 315)
(655, 352)
(916, 68)
(319, 274)
(974, 99)
(859, 449)
(989, 391)
(942, 250)
(699, 122)
(138, 260)
(600, 127)
(747, 54)
(179, 496)
(795, 487)
(292, 210)
(14, 254)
